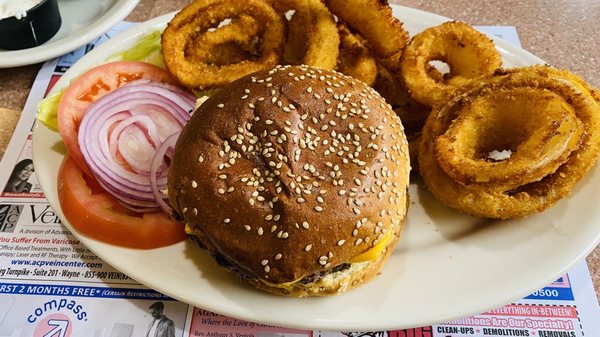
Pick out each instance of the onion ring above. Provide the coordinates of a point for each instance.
(565, 93)
(468, 53)
(374, 21)
(412, 113)
(201, 15)
(313, 37)
(355, 58)
(546, 135)
(296, 41)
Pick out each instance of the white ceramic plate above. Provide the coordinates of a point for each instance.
(447, 265)
(82, 21)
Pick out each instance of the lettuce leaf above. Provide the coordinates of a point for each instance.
(48, 108)
(147, 50)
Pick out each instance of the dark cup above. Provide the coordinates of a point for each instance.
(38, 26)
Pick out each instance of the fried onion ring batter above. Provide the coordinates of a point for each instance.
(468, 53)
(551, 160)
(229, 44)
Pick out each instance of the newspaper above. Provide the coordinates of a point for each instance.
(51, 285)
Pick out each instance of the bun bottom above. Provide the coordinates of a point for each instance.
(331, 283)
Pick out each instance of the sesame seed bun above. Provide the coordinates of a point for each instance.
(295, 179)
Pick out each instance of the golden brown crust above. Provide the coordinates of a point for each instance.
(291, 172)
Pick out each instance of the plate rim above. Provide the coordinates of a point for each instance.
(22, 57)
(334, 324)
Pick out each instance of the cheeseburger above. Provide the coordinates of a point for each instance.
(295, 179)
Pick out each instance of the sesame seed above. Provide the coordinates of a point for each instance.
(264, 262)
(267, 269)
(305, 225)
(201, 159)
(318, 208)
(260, 231)
(221, 105)
(227, 220)
(278, 256)
(269, 217)
(248, 228)
(194, 184)
(307, 247)
(341, 242)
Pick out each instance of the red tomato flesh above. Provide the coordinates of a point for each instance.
(98, 215)
(92, 85)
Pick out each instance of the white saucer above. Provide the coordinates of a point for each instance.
(82, 21)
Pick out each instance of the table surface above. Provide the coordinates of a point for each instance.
(559, 32)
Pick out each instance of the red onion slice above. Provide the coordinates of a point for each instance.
(158, 161)
(125, 135)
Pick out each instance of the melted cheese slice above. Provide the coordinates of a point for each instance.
(374, 252)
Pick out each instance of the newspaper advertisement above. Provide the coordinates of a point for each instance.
(52, 285)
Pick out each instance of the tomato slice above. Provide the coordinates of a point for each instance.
(98, 215)
(92, 85)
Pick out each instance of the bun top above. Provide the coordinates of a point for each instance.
(290, 172)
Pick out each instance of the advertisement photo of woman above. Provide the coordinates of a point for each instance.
(18, 181)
